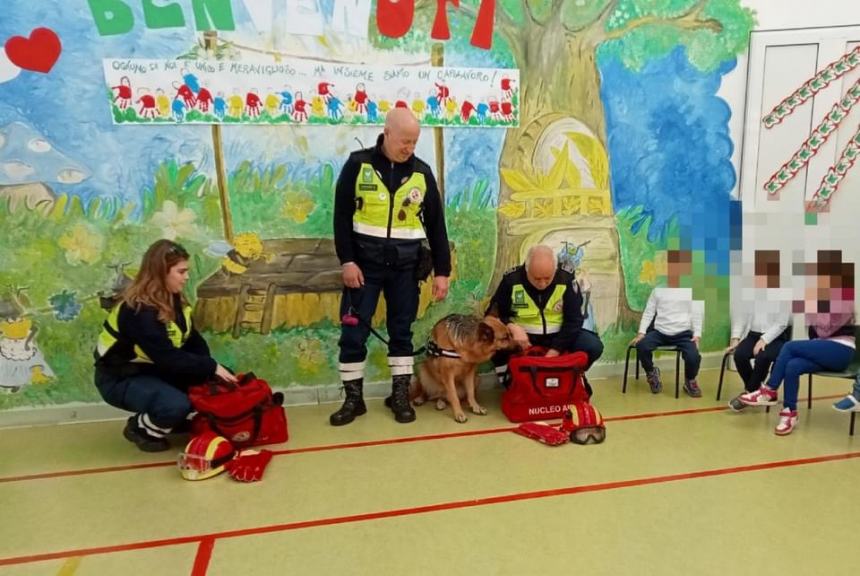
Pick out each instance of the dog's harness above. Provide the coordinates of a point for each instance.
(435, 351)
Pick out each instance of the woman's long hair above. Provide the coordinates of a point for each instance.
(149, 287)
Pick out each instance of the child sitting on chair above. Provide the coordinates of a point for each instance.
(760, 324)
(828, 308)
(677, 320)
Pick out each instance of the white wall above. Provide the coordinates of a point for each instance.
(778, 15)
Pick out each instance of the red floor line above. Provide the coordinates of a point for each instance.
(85, 471)
(203, 556)
(461, 504)
(371, 443)
(387, 441)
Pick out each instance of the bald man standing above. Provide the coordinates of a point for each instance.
(542, 306)
(386, 204)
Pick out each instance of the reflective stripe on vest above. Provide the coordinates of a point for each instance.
(529, 315)
(110, 334)
(377, 215)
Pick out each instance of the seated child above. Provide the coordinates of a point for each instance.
(677, 320)
(828, 307)
(760, 324)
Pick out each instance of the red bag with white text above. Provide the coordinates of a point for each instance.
(541, 387)
(246, 414)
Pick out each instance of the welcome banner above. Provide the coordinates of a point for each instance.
(304, 91)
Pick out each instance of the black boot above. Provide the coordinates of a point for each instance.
(133, 432)
(399, 399)
(353, 404)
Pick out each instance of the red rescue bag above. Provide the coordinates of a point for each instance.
(246, 414)
(541, 388)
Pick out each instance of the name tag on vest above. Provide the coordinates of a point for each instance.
(368, 187)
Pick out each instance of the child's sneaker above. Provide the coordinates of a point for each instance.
(736, 405)
(691, 387)
(654, 382)
(764, 396)
(848, 404)
(787, 421)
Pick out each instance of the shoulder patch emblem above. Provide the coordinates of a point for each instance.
(367, 174)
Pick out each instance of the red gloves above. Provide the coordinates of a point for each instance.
(543, 433)
(249, 465)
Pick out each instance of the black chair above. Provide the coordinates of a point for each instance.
(674, 349)
(849, 373)
(723, 367)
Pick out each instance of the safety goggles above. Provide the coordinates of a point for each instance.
(590, 435)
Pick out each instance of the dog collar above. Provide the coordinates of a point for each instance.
(435, 351)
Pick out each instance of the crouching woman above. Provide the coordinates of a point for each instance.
(148, 352)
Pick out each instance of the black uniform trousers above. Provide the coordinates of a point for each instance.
(388, 270)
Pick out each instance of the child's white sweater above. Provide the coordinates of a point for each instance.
(675, 311)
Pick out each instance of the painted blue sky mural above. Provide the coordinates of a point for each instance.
(670, 148)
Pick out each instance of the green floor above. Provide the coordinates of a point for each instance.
(672, 491)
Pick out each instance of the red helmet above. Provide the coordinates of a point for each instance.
(205, 456)
(584, 423)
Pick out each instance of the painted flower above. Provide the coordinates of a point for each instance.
(248, 245)
(310, 356)
(648, 273)
(174, 222)
(298, 207)
(82, 245)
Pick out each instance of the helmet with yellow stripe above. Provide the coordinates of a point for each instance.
(205, 456)
(584, 423)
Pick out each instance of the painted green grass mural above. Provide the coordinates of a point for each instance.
(82, 248)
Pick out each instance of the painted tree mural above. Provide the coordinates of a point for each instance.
(554, 168)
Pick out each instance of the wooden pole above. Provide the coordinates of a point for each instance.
(437, 58)
(209, 42)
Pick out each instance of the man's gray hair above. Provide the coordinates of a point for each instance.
(537, 251)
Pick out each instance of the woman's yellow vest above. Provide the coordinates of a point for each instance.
(110, 334)
(529, 314)
(379, 214)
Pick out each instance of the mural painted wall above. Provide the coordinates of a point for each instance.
(621, 152)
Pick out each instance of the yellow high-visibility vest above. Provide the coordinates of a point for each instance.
(529, 314)
(376, 213)
(110, 334)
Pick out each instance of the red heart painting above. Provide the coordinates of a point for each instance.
(39, 52)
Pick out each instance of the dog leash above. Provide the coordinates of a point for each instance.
(353, 318)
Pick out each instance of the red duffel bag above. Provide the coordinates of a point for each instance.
(541, 387)
(246, 414)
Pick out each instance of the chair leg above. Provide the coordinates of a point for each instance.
(851, 430)
(722, 374)
(809, 393)
(637, 365)
(677, 373)
(626, 368)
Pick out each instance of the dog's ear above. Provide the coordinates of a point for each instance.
(485, 333)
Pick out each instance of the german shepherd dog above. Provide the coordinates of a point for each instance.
(458, 344)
